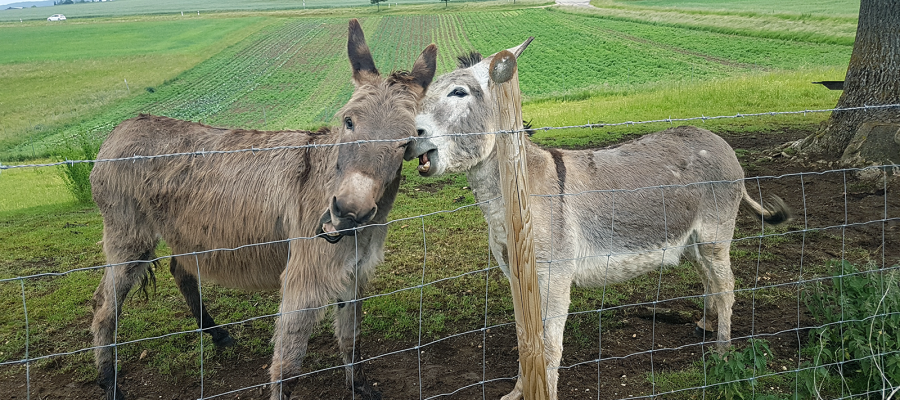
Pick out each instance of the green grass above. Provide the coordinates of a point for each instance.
(288, 69)
(593, 69)
(750, 93)
(76, 12)
(55, 74)
(25, 188)
(809, 7)
(791, 23)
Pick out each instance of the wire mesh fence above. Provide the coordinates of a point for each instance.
(816, 313)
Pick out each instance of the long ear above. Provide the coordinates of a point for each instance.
(517, 51)
(481, 70)
(360, 57)
(424, 67)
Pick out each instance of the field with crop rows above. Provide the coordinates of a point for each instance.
(286, 69)
(807, 7)
(162, 7)
(293, 73)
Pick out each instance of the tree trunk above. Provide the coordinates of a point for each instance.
(873, 78)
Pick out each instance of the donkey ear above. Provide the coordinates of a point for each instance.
(424, 67)
(360, 57)
(517, 51)
(481, 70)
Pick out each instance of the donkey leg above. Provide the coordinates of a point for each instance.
(555, 300)
(705, 328)
(117, 281)
(298, 316)
(346, 329)
(187, 284)
(555, 312)
(717, 262)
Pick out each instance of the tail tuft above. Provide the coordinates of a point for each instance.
(775, 211)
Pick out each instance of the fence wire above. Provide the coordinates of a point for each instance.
(203, 152)
(611, 346)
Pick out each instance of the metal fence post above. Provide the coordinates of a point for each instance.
(504, 87)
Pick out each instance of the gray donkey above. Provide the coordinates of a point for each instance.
(265, 207)
(600, 216)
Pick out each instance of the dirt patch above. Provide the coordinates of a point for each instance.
(837, 209)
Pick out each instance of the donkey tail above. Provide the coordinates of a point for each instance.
(775, 211)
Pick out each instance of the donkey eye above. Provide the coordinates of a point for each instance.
(348, 123)
(458, 92)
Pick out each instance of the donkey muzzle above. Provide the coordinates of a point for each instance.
(326, 229)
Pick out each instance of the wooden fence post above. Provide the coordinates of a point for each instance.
(504, 88)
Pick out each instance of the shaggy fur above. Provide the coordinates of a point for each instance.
(235, 201)
(598, 216)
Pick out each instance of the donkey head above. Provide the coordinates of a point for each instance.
(379, 117)
(458, 102)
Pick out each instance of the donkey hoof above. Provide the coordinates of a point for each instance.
(116, 394)
(703, 333)
(366, 391)
(223, 342)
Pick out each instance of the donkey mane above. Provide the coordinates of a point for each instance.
(401, 77)
(468, 60)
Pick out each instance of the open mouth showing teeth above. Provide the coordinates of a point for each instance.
(329, 230)
(424, 163)
(331, 235)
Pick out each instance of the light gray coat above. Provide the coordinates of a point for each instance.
(599, 216)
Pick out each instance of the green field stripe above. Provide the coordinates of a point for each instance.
(833, 30)
(244, 74)
(327, 79)
(789, 10)
(451, 41)
(753, 51)
(275, 96)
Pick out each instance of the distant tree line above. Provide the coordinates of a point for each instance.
(61, 2)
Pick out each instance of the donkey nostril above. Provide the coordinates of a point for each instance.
(420, 131)
(336, 207)
(368, 216)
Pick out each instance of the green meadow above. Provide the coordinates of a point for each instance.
(275, 73)
(58, 73)
(828, 8)
(272, 65)
(119, 8)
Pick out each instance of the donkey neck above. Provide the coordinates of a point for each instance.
(484, 177)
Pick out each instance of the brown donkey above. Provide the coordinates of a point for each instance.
(264, 208)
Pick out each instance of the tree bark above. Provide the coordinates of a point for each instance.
(873, 78)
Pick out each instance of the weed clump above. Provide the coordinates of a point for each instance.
(854, 349)
(75, 174)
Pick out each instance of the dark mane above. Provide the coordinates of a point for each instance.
(400, 76)
(468, 60)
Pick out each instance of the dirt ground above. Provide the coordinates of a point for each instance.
(838, 203)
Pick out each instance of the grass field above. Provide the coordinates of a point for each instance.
(829, 8)
(59, 73)
(282, 68)
(172, 7)
(576, 56)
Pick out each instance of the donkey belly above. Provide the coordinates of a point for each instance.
(601, 271)
(254, 267)
(601, 267)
